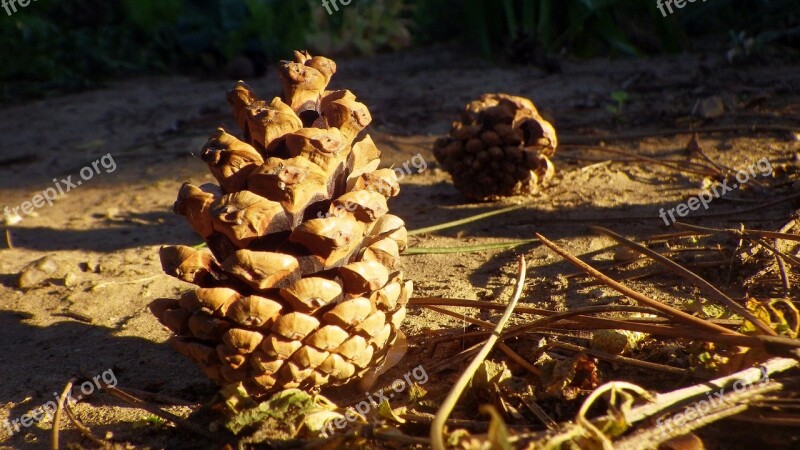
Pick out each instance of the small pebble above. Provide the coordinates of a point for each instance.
(36, 272)
(70, 279)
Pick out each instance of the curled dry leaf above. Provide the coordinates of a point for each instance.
(616, 341)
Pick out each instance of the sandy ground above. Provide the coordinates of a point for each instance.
(90, 315)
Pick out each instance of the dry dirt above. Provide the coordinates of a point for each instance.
(91, 314)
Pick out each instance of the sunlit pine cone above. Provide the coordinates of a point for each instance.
(501, 147)
(299, 285)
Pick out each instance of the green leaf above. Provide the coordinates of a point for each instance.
(620, 96)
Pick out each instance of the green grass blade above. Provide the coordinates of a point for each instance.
(475, 218)
(467, 248)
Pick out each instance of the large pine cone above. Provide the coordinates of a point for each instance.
(500, 147)
(298, 286)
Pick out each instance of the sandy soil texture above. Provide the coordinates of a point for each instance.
(89, 313)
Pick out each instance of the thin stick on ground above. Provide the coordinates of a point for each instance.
(437, 427)
(624, 360)
(84, 430)
(742, 233)
(778, 254)
(641, 298)
(579, 321)
(787, 284)
(704, 285)
(57, 418)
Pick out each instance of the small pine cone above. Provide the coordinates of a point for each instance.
(299, 286)
(500, 147)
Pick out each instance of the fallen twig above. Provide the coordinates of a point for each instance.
(84, 430)
(691, 276)
(57, 418)
(625, 360)
(641, 298)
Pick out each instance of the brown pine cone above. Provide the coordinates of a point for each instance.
(500, 147)
(299, 286)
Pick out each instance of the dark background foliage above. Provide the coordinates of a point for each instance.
(53, 46)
